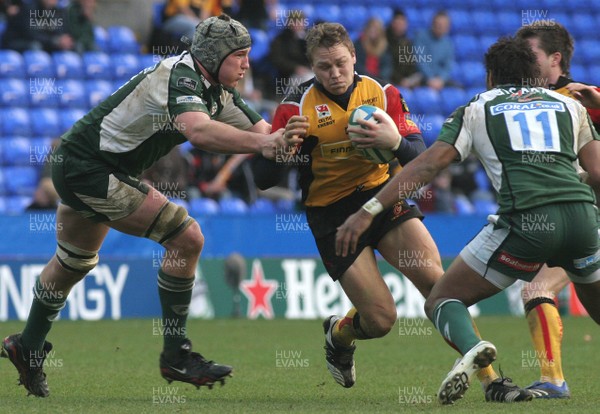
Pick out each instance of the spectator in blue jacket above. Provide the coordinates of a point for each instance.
(438, 51)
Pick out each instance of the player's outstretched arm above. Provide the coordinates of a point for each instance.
(416, 174)
(589, 96)
(216, 136)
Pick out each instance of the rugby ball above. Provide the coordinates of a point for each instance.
(365, 112)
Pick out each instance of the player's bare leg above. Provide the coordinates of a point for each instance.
(411, 249)
(545, 327)
(79, 240)
(373, 316)
(446, 306)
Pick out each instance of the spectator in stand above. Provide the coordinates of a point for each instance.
(9, 8)
(80, 24)
(437, 197)
(287, 52)
(439, 50)
(255, 14)
(372, 57)
(404, 62)
(39, 25)
(182, 16)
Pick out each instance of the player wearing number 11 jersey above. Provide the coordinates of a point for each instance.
(528, 140)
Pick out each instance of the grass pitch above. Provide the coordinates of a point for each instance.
(112, 367)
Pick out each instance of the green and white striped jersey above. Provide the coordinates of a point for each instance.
(527, 140)
(135, 126)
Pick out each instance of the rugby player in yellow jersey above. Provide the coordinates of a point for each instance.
(553, 47)
(336, 180)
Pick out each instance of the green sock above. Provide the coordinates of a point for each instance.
(454, 322)
(44, 310)
(175, 295)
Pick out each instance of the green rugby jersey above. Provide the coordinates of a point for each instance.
(527, 139)
(135, 126)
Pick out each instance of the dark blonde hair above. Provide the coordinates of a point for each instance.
(327, 35)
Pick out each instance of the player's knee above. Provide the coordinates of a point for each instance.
(171, 222)
(191, 241)
(74, 259)
(381, 323)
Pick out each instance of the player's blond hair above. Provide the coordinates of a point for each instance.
(327, 35)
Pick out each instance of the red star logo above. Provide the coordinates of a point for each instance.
(259, 291)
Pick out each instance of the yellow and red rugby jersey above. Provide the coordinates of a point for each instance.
(561, 87)
(336, 169)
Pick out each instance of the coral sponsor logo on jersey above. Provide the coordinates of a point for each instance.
(518, 264)
(527, 106)
(338, 150)
(322, 111)
(190, 99)
(187, 83)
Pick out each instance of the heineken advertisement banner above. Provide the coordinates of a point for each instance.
(276, 272)
(293, 288)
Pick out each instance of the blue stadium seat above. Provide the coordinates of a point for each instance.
(13, 92)
(384, 13)
(101, 38)
(11, 64)
(45, 122)
(452, 98)
(44, 92)
(589, 51)
(204, 206)
(148, 60)
(467, 47)
(484, 22)
(353, 17)
(97, 91)
(20, 181)
(461, 22)
(471, 92)
(580, 73)
(262, 206)
(15, 151)
(121, 39)
(471, 74)
(431, 127)
(124, 65)
(484, 44)
(15, 121)
(68, 117)
(260, 44)
(463, 206)
(485, 207)
(2, 188)
(97, 65)
(509, 22)
(68, 65)
(73, 94)
(17, 204)
(429, 100)
(307, 9)
(38, 64)
(233, 205)
(41, 149)
(328, 12)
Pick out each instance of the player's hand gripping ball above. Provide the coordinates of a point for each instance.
(365, 112)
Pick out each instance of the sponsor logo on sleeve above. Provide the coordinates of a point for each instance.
(187, 83)
(586, 261)
(190, 99)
